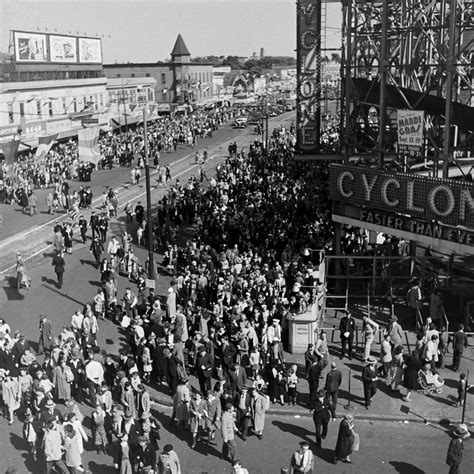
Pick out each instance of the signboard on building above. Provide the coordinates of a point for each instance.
(30, 47)
(29, 131)
(308, 72)
(63, 49)
(90, 50)
(410, 131)
(429, 199)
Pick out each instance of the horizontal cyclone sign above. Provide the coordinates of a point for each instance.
(443, 200)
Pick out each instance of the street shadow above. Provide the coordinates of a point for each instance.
(19, 444)
(405, 468)
(95, 467)
(95, 283)
(49, 254)
(81, 303)
(299, 432)
(92, 263)
(324, 454)
(451, 383)
(10, 290)
(49, 281)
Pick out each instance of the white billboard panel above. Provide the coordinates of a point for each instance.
(63, 49)
(90, 50)
(30, 47)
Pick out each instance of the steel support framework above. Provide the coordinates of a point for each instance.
(410, 54)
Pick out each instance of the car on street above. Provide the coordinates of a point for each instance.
(240, 122)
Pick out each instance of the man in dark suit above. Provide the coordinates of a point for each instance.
(313, 381)
(369, 379)
(309, 357)
(59, 263)
(228, 352)
(333, 382)
(237, 378)
(46, 334)
(347, 327)
(459, 343)
(204, 366)
(321, 417)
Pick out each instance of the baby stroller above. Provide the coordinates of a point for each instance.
(429, 382)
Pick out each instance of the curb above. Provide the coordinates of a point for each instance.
(168, 403)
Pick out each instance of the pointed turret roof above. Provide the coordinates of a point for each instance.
(180, 48)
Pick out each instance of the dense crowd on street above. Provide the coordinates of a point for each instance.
(118, 148)
(234, 286)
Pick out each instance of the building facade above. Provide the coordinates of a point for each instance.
(179, 81)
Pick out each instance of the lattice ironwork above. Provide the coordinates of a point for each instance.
(420, 57)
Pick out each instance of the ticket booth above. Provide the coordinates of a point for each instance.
(303, 328)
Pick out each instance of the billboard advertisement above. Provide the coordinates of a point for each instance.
(30, 47)
(308, 106)
(63, 49)
(90, 50)
(410, 131)
(430, 199)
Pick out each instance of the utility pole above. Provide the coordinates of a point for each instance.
(151, 259)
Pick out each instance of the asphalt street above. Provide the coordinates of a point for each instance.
(385, 447)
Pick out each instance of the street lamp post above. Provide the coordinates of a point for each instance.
(151, 260)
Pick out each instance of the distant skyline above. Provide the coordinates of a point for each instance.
(145, 31)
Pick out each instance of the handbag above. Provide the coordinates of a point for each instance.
(356, 442)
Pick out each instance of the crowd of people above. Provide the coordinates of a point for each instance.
(234, 286)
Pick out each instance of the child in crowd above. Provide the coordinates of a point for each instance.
(254, 361)
(462, 389)
(292, 382)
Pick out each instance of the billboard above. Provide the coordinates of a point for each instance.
(30, 47)
(430, 199)
(90, 50)
(410, 131)
(308, 106)
(63, 49)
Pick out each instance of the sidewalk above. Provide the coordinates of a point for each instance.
(387, 405)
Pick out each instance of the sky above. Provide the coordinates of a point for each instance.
(145, 31)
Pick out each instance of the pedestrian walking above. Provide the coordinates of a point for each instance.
(333, 383)
(46, 334)
(456, 448)
(459, 341)
(82, 223)
(260, 403)
(345, 440)
(302, 461)
(53, 449)
(228, 429)
(168, 461)
(321, 415)
(410, 376)
(385, 356)
(313, 381)
(347, 328)
(59, 263)
(369, 380)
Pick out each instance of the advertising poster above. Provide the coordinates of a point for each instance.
(30, 47)
(63, 49)
(410, 131)
(90, 50)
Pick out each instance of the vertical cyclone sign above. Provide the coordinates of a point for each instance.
(308, 110)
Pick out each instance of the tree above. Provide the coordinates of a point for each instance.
(233, 62)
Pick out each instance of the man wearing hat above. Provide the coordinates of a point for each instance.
(204, 367)
(369, 380)
(333, 382)
(321, 417)
(347, 326)
(77, 368)
(395, 332)
(59, 263)
(228, 429)
(50, 414)
(46, 334)
(244, 412)
(302, 460)
(456, 448)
